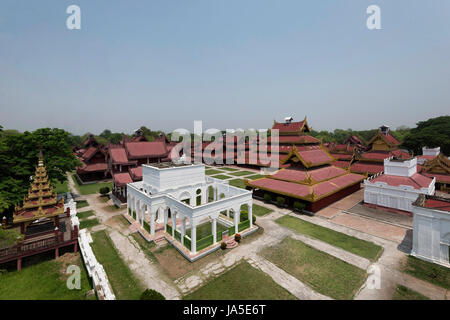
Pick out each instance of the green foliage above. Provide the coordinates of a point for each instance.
(104, 190)
(237, 237)
(299, 205)
(18, 158)
(151, 294)
(267, 197)
(149, 134)
(111, 137)
(281, 201)
(9, 237)
(431, 133)
(243, 225)
(223, 245)
(244, 216)
(187, 242)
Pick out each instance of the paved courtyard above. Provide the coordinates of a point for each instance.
(393, 238)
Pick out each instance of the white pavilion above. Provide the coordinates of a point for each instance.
(179, 196)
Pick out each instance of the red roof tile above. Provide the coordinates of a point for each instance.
(296, 139)
(417, 181)
(365, 167)
(441, 178)
(118, 156)
(341, 164)
(288, 127)
(315, 156)
(93, 167)
(89, 153)
(121, 179)
(146, 149)
(437, 204)
(136, 173)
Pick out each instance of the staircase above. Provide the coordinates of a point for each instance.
(230, 242)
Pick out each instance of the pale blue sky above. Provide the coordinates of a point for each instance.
(234, 63)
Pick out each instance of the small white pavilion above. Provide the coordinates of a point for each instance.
(183, 192)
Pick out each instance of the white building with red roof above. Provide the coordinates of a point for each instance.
(428, 154)
(399, 185)
(431, 232)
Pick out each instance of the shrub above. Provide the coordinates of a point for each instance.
(237, 237)
(104, 190)
(267, 197)
(280, 201)
(151, 294)
(299, 205)
(244, 216)
(223, 245)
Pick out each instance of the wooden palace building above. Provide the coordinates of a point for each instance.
(307, 174)
(41, 221)
(382, 146)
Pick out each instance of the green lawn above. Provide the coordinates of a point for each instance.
(212, 171)
(237, 183)
(60, 187)
(241, 173)
(205, 229)
(85, 214)
(404, 293)
(428, 271)
(258, 210)
(254, 177)
(82, 204)
(44, 281)
(354, 245)
(243, 282)
(221, 176)
(324, 273)
(124, 284)
(229, 169)
(90, 188)
(88, 223)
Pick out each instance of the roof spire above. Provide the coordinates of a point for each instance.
(41, 157)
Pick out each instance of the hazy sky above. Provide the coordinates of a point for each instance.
(230, 63)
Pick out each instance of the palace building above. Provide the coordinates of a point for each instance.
(438, 167)
(175, 200)
(125, 161)
(431, 229)
(308, 178)
(382, 146)
(344, 153)
(93, 157)
(41, 220)
(398, 187)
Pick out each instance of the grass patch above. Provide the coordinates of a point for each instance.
(104, 198)
(212, 171)
(145, 246)
(205, 229)
(243, 282)
(237, 183)
(85, 214)
(59, 187)
(351, 244)
(260, 210)
(241, 173)
(45, 281)
(221, 176)
(428, 271)
(124, 284)
(254, 177)
(404, 293)
(89, 223)
(82, 204)
(112, 208)
(90, 188)
(324, 273)
(229, 169)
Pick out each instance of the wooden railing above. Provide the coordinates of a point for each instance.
(28, 246)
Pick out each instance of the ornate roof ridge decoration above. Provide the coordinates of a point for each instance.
(383, 137)
(304, 128)
(440, 161)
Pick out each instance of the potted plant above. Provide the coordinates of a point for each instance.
(237, 237)
(223, 245)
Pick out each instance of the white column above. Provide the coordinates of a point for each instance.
(236, 219)
(166, 218)
(183, 229)
(142, 215)
(250, 214)
(228, 213)
(152, 223)
(214, 230)
(174, 223)
(193, 236)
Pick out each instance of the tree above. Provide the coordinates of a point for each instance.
(434, 132)
(151, 294)
(18, 159)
